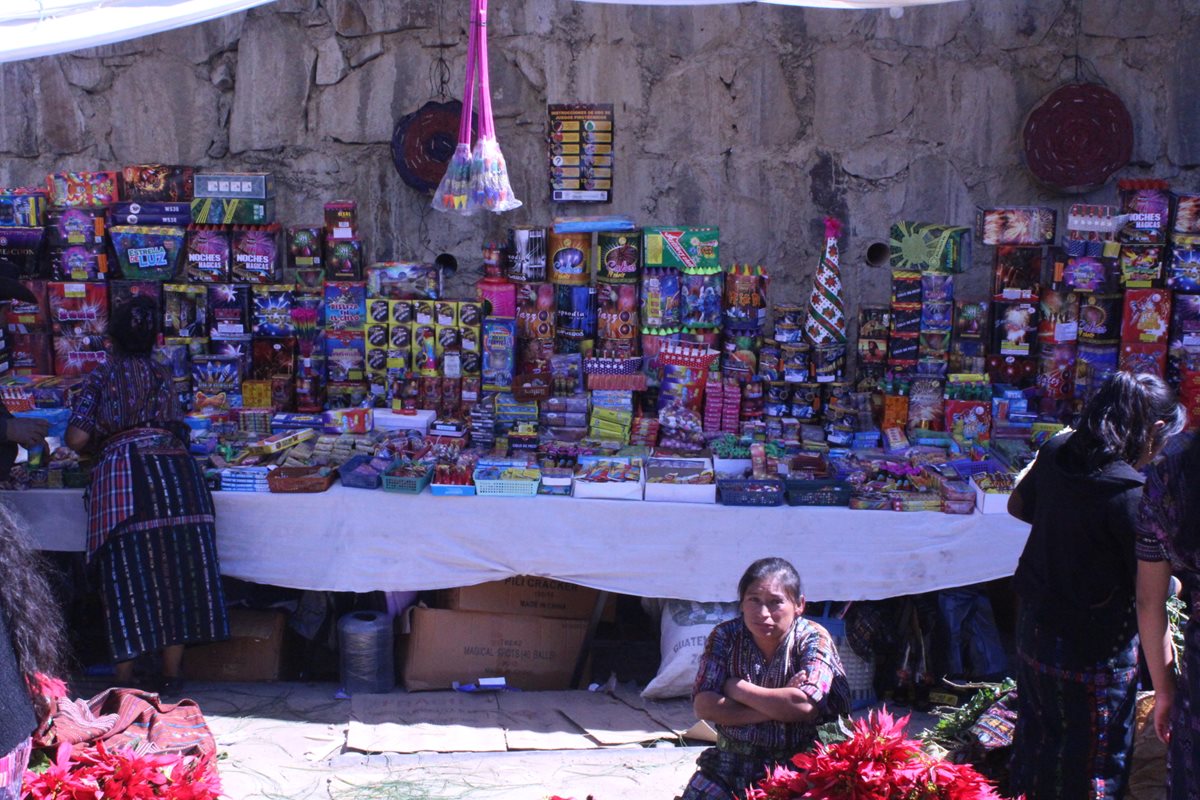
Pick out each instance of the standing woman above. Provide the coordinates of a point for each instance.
(1076, 622)
(151, 527)
(31, 642)
(1169, 541)
(766, 680)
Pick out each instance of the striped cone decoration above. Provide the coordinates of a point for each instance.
(826, 320)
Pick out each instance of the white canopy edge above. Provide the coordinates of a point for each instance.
(36, 28)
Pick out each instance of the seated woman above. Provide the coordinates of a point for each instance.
(766, 681)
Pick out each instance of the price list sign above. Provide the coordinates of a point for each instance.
(581, 153)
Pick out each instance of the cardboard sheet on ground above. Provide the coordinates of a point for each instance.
(537, 721)
(675, 714)
(441, 722)
(610, 721)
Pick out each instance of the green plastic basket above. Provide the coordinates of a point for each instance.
(407, 485)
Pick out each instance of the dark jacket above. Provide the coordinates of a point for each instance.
(1077, 572)
(17, 719)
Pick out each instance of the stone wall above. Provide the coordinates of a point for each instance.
(757, 118)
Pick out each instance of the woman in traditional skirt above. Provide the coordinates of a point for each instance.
(766, 681)
(1076, 622)
(151, 528)
(1169, 541)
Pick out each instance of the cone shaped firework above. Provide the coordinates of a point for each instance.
(826, 319)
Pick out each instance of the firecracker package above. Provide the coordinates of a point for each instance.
(396, 280)
(345, 356)
(1100, 317)
(255, 251)
(273, 356)
(78, 263)
(345, 306)
(228, 311)
(83, 189)
(1058, 316)
(207, 254)
(31, 353)
(78, 309)
(1147, 206)
(68, 227)
(1018, 272)
(78, 355)
(681, 247)
(343, 259)
(1146, 317)
(185, 310)
(23, 209)
(157, 183)
(305, 250)
(341, 218)
(1016, 225)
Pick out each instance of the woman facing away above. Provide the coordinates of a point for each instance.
(1169, 542)
(1076, 622)
(151, 525)
(31, 642)
(766, 680)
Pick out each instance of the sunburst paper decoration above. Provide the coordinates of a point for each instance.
(927, 247)
(826, 320)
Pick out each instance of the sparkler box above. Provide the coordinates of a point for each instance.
(79, 263)
(271, 314)
(78, 309)
(1018, 225)
(214, 374)
(255, 253)
(345, 356)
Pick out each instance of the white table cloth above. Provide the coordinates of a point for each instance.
(358, 540)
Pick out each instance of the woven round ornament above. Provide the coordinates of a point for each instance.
(423, 143)
(1076, 137)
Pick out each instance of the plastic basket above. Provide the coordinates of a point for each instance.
(452, 490)
(505, 488)
(826, 492)
(293, 480)
(407, 484)
(751, 492)
(357, 480)
(860, 672)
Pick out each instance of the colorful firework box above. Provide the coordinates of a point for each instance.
(343, 259)
(1018, 272)
(1183, 272)
(23, 247)
(23, 209)
(157, 182)
(228, 311)
(66, 227)
(304, 247)
(214, 375)
(216, 211)
(1151, 358)
(272, 311)
(906, 318)
(32, 353)
(79, 355)
(273, 356)
(30, 317)
(208, 254)
(396, 280)
(79, 263)
(345, 356)
(1100, 317)
(499, 343)
(906, 288)
(1146, 317)
(121, 293)
(341, 218)
(427, 351)
(874, 322)
(84, 189)
(1016, 327)
(344, 394)
(235, 185)
(1016, 225)
(151, 213)
(345, 306)
(937, 316)
(176, 356)
(1185, 320)
(1059, 312)
(535, 310)
(1187, 214)
(185, 310)
(78, 309)
(1140, 264)
(930, 247)
(255, 253)
(148, 253)
(681, 247)
(1088, 274)
(1147, 204)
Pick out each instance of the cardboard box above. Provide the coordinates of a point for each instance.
(989, 502)
(252, 652)
(529, 652)
(523, 594)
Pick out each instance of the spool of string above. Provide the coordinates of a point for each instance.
(365, 640)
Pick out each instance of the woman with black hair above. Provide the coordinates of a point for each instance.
(1169, 542)
(766, 680)
(31, 642)
(151, 525)
(1076, 621)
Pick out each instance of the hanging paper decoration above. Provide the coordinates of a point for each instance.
(479, 179)
(826, 320)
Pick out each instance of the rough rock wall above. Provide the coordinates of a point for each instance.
(757, 118)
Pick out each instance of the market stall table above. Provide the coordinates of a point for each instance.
(358, 541)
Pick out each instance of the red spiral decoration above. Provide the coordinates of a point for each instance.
(1076, 137)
